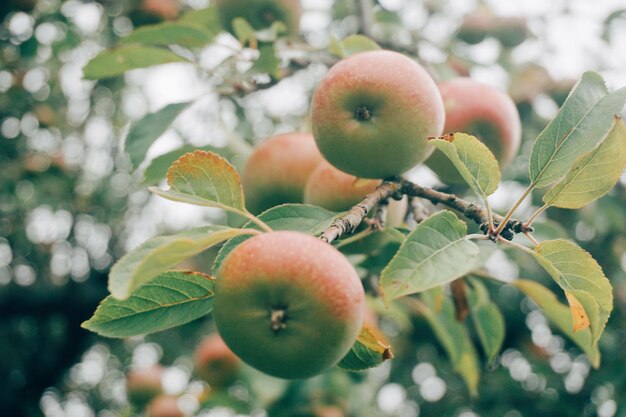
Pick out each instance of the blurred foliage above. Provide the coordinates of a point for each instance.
(71, 204)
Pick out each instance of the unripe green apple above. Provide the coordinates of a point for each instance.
(482, 111)
(373, 113)
(510, 31)
(215, 363)
(336, 190)
(278, 169)
(164, 406)
(144, 384)
(261, 14)
(475, 27)
(288, 304)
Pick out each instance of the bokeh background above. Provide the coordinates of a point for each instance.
(70, 205)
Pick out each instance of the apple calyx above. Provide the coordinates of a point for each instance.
(278, 318)
(363, 113)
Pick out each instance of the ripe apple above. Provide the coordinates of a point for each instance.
(278, 169)
(261, 13)
(288, 304)
(166, 9)
(373, 113)
(482, 111)
(144, 384)
(336, 190)
(164, 406)
(215, 363)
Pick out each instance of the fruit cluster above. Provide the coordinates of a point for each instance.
(292, 305)
(289, 304)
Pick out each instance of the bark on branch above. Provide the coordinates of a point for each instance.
(472, 211)
(352, 219)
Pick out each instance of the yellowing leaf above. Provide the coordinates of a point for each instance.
(560, 315)
(373, 339)
(206, 179)
(370, 350)
(593, 174)
(474, 161)
(579, 315)
(578, 273)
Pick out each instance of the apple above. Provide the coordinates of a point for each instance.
(288, 304)
(215, 363)
(261, 14)
(475, 27)
(336, 190)
(510, 31)
(482, 111)
(144, 384)
(166, 9)
(164, 406)
(278, 169)
(373, 113)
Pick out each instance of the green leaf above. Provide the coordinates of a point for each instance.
(171, 299)
(158, 167)
(487, 319)
(205, 179)
(580, 276)
(268, 62)
(582, 122)
(244, 31)
(560, 315)
(594, 174)
(156, 255)
(474, 161)
(433, 254)
(367, 352)
(114, 62)
(453, 336)
(144, 132)
(352, 45)
(168, 33)
(298, 217)
(206, 19)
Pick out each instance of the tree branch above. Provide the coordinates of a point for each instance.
(353, 218)
(366, 17)
(472, 211)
